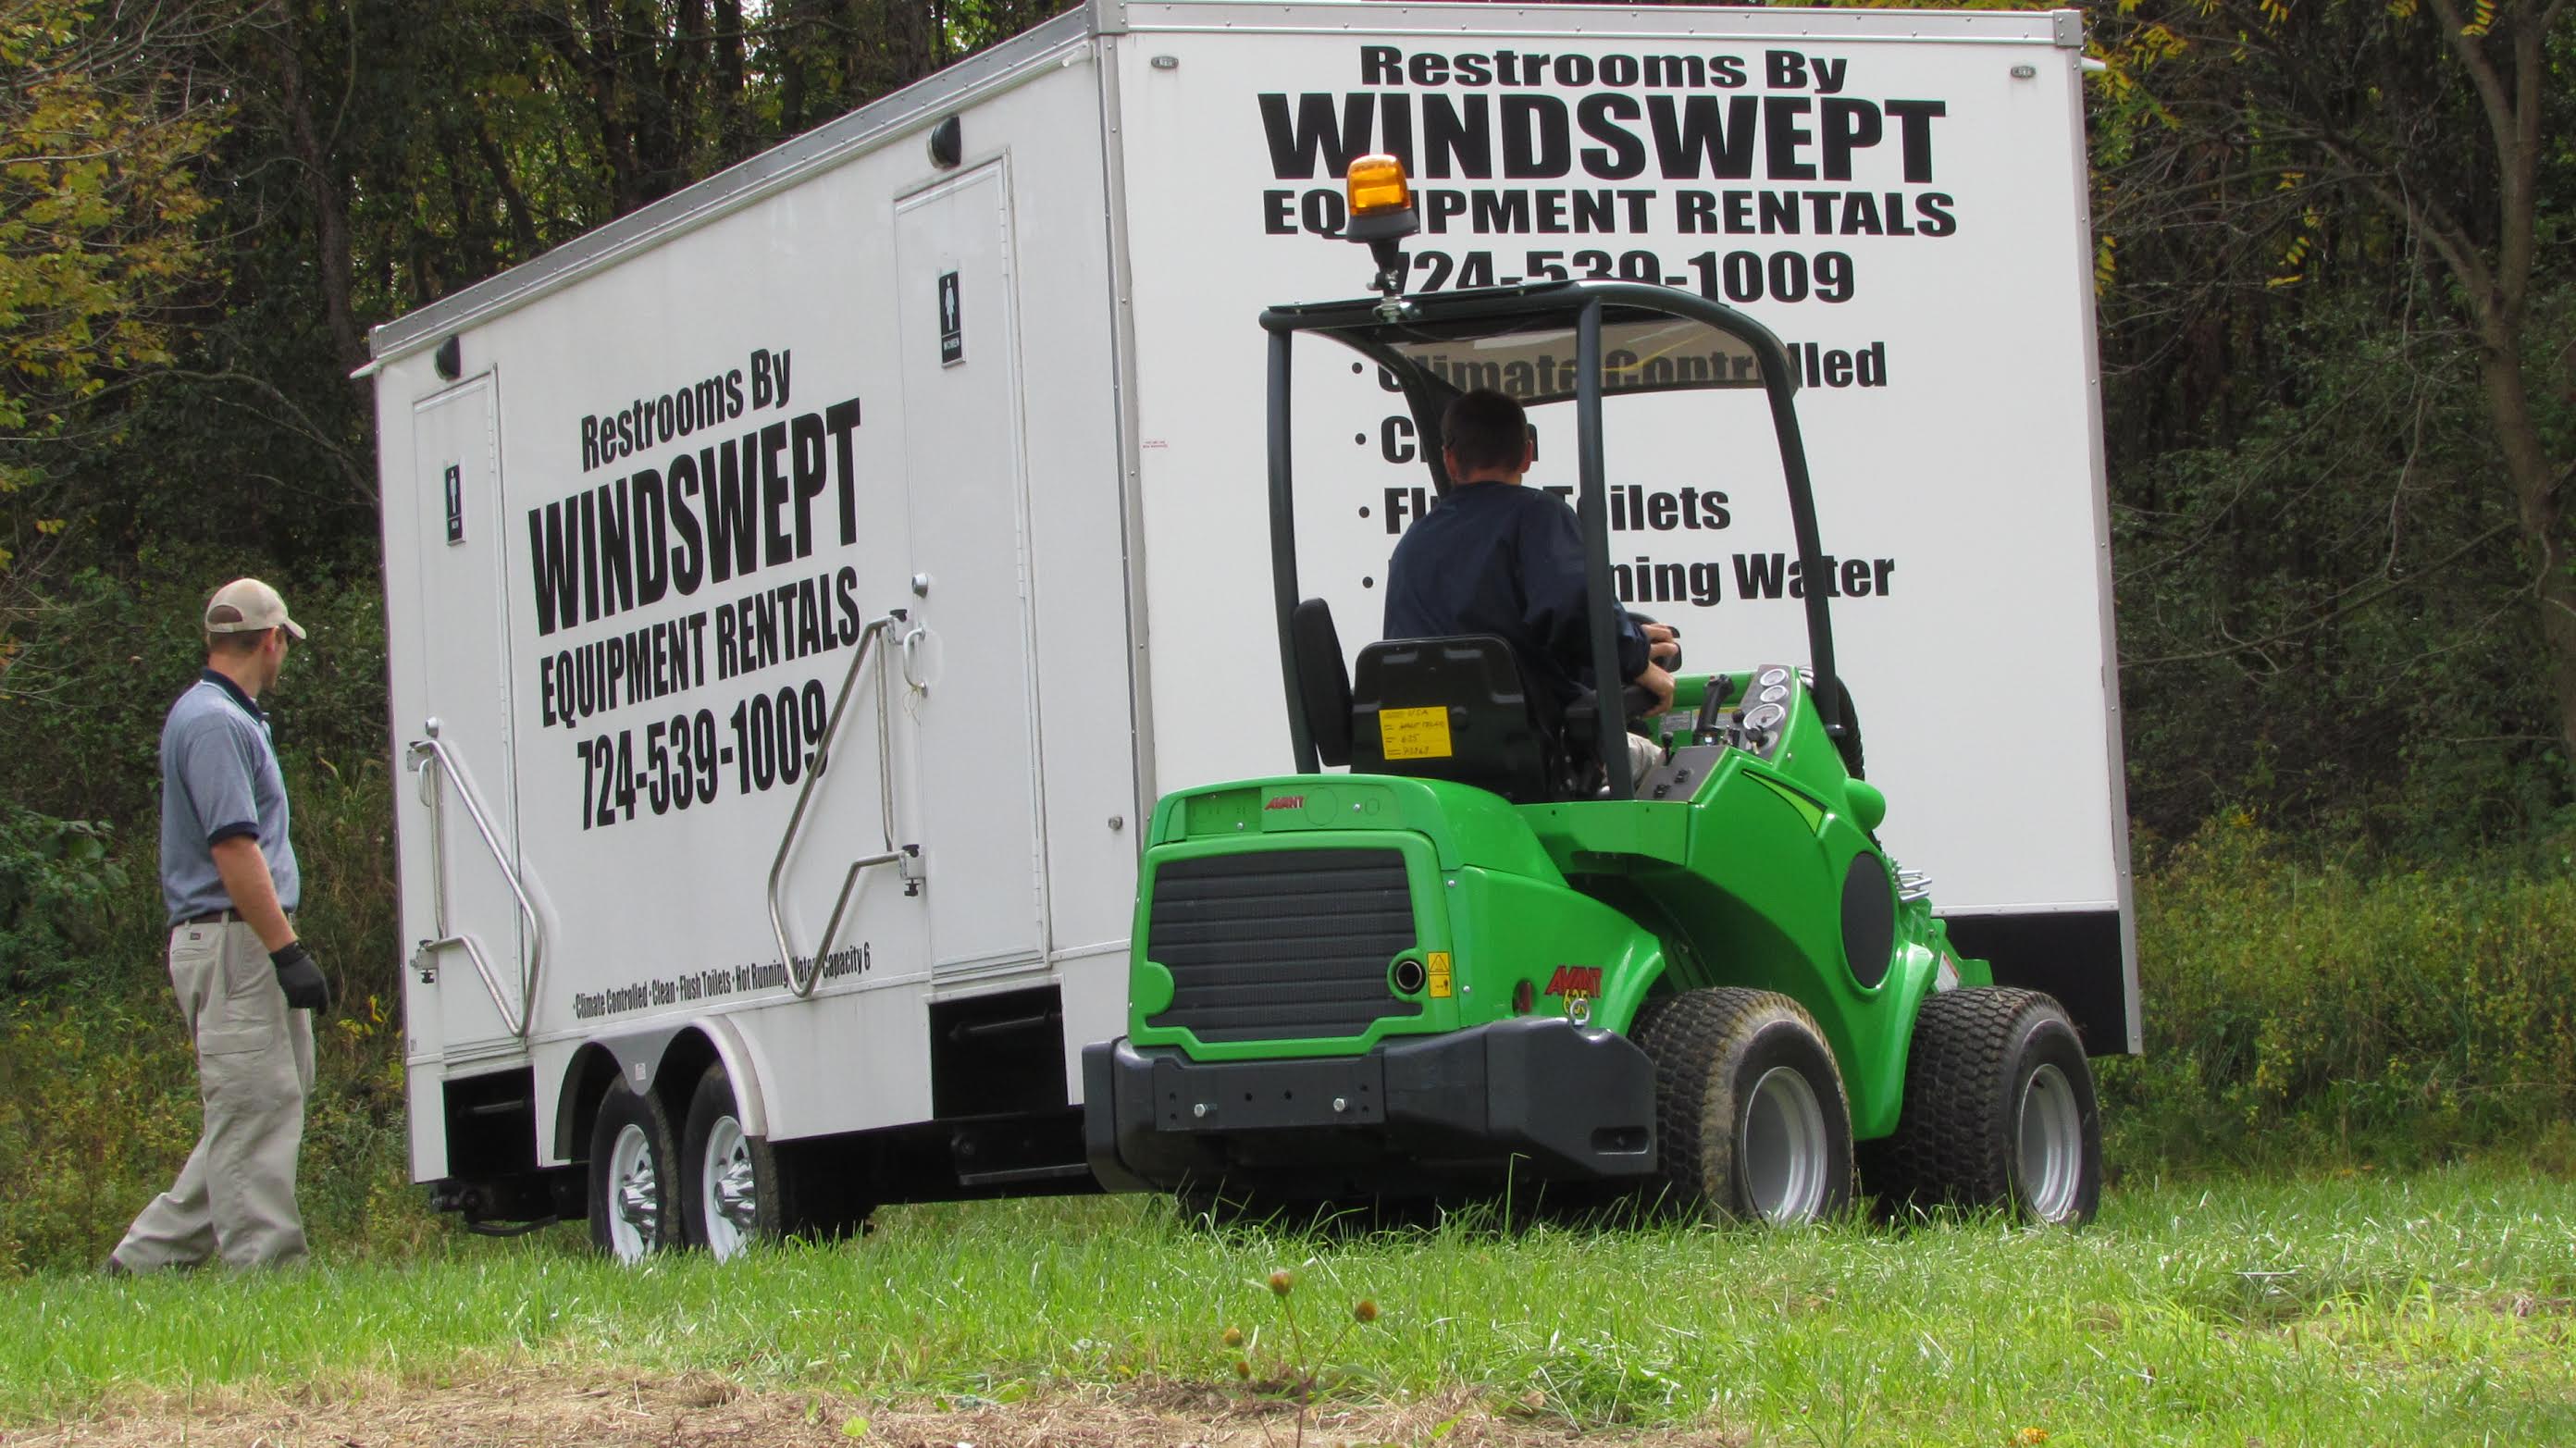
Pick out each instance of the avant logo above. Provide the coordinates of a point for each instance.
(1575, 980)
(1286, 801)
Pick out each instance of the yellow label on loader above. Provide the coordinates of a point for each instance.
(1435, 965)
(1414, 733)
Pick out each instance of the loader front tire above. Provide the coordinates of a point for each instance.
(1999, 1113)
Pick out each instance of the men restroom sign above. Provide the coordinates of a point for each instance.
(455, 503)
(952, 322)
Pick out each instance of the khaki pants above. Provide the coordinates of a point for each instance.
(1643, 755)
(235, 1199)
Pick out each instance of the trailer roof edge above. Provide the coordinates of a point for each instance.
(781, 166)
(1577, 21)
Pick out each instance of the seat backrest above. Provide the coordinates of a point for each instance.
(1449, 708)
(1323, 688)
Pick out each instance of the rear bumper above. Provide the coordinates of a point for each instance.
(1540, 1098)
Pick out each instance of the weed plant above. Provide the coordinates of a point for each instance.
(2300, 1012)
(1299, 1366)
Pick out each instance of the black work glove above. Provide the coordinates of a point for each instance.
(300, 978)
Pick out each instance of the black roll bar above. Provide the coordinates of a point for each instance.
(1592, 511)
(1365, 325)
(1283, 553)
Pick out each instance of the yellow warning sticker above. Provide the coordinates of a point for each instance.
(1436, 966)
(1414, 733)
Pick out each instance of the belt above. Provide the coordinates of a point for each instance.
(217, 917)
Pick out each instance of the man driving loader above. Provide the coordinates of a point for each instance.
(1497, 558)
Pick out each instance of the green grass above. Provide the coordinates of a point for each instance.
(2435, 1308)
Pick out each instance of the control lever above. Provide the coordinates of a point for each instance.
(1712, 703)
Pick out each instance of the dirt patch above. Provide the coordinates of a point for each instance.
(705, 1411)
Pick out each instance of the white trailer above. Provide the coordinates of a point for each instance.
(926, 445)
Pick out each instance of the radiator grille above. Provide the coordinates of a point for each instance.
(1280, 943)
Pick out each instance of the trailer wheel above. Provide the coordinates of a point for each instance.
(737, 1189)
(730, 1185)
(1999, 1112)
(1751, 1122)
(634, 1200)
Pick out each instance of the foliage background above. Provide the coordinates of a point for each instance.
(2339, 575)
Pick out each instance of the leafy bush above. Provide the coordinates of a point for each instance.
(2304, 1010)
(57, 880)
(91, 672)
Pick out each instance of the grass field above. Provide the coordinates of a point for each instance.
(2439, 1308)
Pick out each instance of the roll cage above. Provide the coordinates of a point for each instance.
(1628, 337)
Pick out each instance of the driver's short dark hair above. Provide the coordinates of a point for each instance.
(1485, 429)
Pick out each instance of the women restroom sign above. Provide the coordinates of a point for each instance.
(952, 322)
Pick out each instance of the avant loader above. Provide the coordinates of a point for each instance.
(1488, 950)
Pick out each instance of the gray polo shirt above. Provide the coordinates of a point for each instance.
(219, 781)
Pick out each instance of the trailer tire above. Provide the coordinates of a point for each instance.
(730, 1182)
(634, 1177)
(1999, 1113)
(1751, 1121)
(737, 1190)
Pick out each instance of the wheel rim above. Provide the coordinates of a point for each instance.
(728, 1193)
(634, 1195)
(2049, 1145)
(1784, 1148)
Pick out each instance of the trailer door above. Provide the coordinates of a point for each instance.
(459, 636)
(976, 740)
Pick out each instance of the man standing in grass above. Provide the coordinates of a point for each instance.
(247, 987)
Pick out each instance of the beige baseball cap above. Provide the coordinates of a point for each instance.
(247, 605)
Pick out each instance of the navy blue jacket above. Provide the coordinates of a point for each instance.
(1505, 559)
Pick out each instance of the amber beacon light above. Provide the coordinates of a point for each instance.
(1382, 215)
(1376, 186)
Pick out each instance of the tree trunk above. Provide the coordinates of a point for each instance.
(2535, 496)
(330, 218)
(514, 202)
(733, 134)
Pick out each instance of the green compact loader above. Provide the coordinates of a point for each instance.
(1487, 956)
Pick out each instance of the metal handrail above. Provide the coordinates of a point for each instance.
(803, 985)
(422, 751)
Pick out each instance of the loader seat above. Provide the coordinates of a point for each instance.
(1323, 685)
(1487, 730)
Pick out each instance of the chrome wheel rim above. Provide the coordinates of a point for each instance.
(728, 1193)
(2048, 1145)
(1784, 1149)
(634, 1195)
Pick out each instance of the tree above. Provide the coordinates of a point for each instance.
(101, 133)
(2429, 144)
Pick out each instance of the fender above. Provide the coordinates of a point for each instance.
(640, 1057)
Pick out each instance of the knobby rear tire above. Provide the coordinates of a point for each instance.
(1751, 1120)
